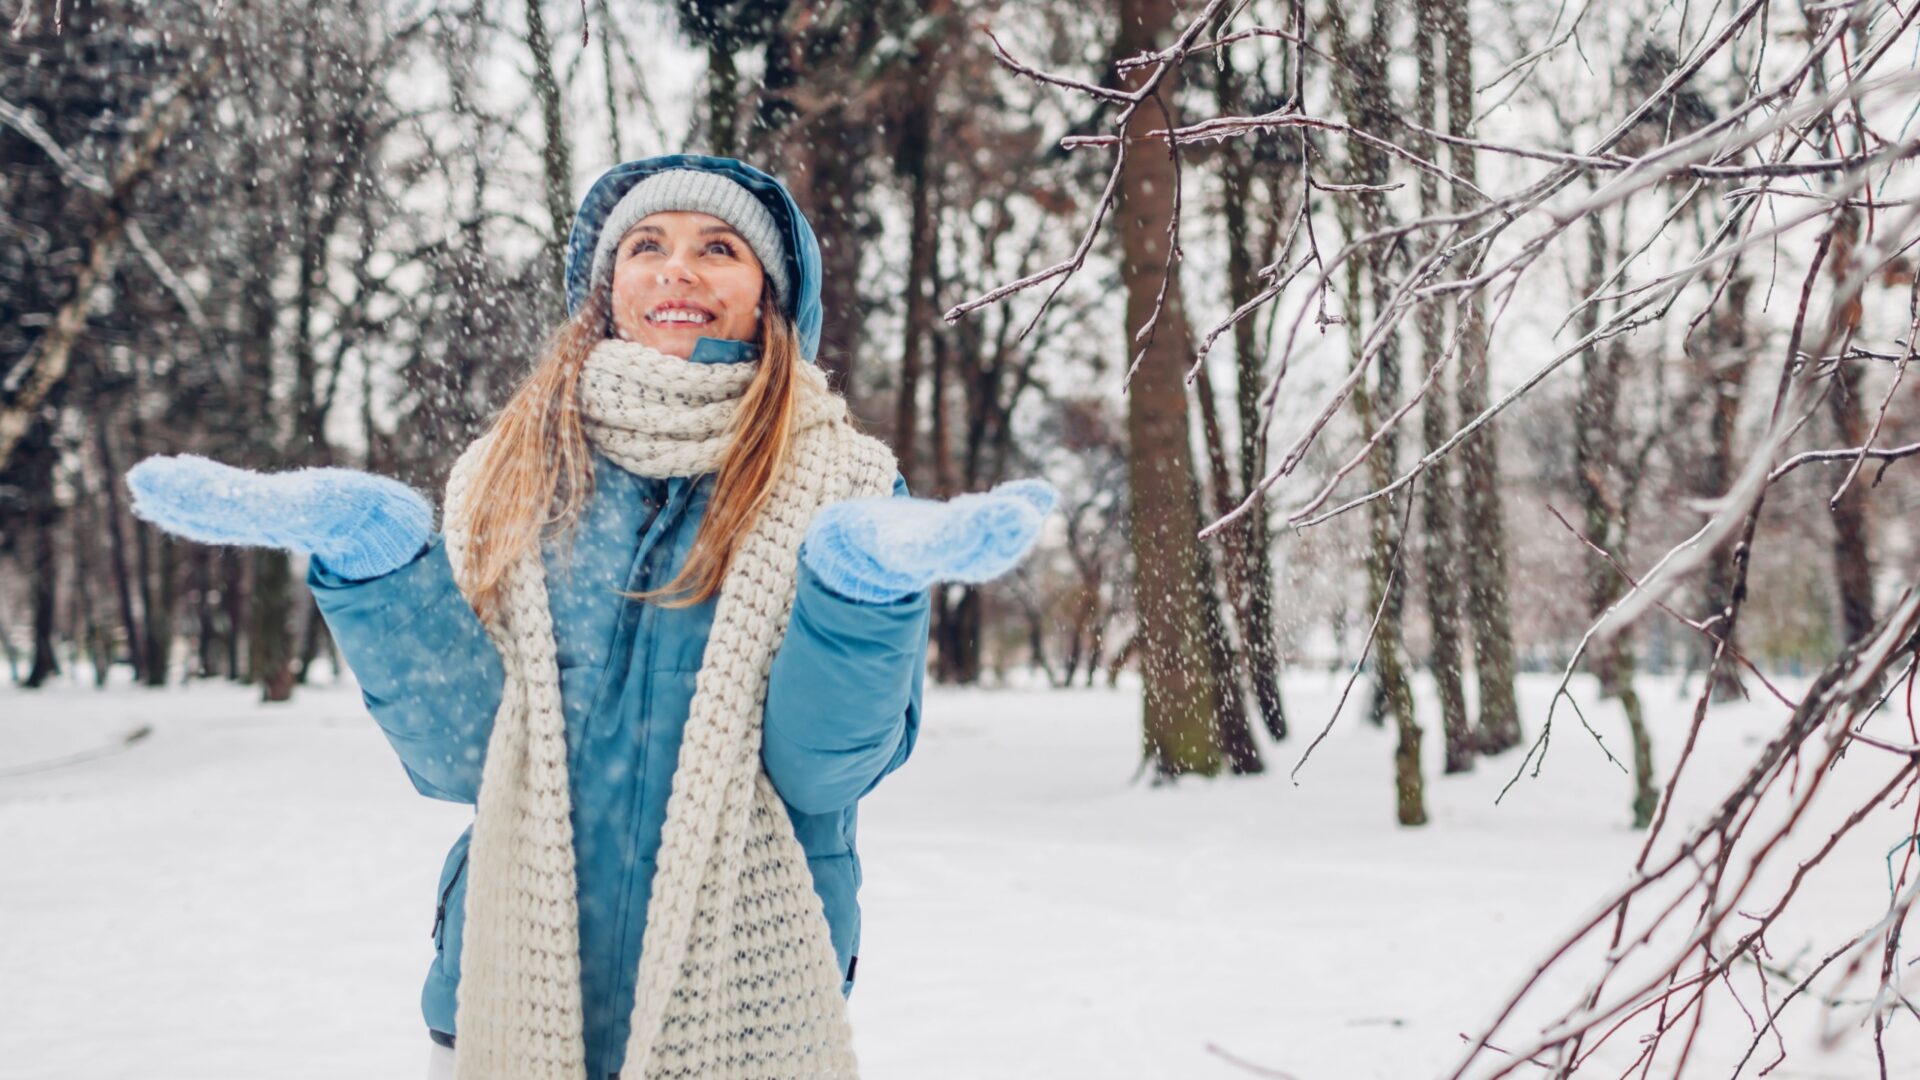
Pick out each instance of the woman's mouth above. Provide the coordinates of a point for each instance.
(679, 315)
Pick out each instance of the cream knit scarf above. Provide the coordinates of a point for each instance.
(738, 979)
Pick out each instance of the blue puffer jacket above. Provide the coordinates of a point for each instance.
(842, 711)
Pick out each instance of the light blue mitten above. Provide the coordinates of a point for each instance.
(357, 524)
(882, 549)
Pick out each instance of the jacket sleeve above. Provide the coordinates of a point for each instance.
(843, 696)
(427, 670)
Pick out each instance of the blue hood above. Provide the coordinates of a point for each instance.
(803, 249)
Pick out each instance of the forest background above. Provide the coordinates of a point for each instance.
(1655, 427)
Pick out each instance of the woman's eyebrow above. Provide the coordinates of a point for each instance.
(706, 231)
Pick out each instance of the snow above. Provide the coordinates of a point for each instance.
(248, 892)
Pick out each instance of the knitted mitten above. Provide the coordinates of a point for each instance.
(357, 524)
(877, 550)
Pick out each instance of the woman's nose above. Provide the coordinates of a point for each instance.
(676, 268)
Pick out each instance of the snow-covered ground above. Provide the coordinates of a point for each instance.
(247, 892)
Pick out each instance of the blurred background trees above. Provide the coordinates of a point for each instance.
(286, 234)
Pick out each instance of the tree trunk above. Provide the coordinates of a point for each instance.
(1604, 497)
(1247, 575)
(1077, 643)
(271, 654)
(1852, 532)
(313, 636)
(1230, 704)
(269, 595)
(161, 596)
(38, 454)
(1236, 739)
(1180, 733)
(1483, 524)
(151, 641)
(206, 621)
(234, 604)
(1118, 662)
(46, 658)
(913, 164)
(612, 85)
(555, 154)
(1727, 364)
(723, 95)
(1254, 569)
(310, 250)
(956, 634)
(7, 646)
(945, 482)
(1386, 594)
(1437, 494)
(82, 529)
(116, 541)
(831, 188)
(1368, 96)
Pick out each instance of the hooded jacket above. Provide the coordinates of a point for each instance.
(843, 696)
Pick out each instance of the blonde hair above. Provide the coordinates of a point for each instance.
(537, 466)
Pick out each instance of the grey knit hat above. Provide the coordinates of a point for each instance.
(706, 193)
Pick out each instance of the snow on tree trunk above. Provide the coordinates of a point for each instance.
(1176, 667)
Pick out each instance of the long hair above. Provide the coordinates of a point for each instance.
(536, 471)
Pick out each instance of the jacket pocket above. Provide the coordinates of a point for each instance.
(449, 911)
(833, 880)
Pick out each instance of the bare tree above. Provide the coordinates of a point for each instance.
(1482, 519)
(1724, 364)
(1248, 555)
(1439, 532)
(1367, 96)
(1170, 594)
(1606, 497)
(1651, 986)
(556, 150)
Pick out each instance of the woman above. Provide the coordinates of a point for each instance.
(674, 628)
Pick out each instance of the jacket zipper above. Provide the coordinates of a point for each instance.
(440, 910)
(665, 520)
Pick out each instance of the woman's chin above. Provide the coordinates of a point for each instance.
(670, 342)
(681, 349)
(675, 340)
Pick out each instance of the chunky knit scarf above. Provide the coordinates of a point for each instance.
(738, 978)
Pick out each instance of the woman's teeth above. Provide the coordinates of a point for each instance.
(680, 315)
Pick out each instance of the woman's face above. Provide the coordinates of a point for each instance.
(679, 276)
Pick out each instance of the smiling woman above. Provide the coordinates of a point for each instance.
(665, 737)
(680, 276)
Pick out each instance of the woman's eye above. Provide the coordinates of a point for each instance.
(642, 245)
(725, 248)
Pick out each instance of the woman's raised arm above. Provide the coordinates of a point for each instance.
(843, 696)
(427, 670)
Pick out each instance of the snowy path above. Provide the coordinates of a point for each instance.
(247, 893)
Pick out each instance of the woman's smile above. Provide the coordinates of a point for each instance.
(680, 314)
(681, 275)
